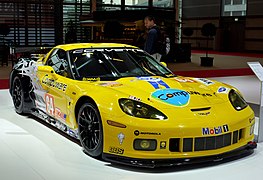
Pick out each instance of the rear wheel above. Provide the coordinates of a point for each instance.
(90, 129)
(18, 95)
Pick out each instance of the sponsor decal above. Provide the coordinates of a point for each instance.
(116, 150)
(111, 84)
(184, 80)
(59, 114)
(135, 98)
(222, 90)
(215, 130)
(30, 68)
(203, 113)
(198, 93)
(72, 133)
(121, 137)
(52, 110)
(137, 133)
(204, 81)
(50, 106)
(91, 79)
(52, 83)
(172, 96)
(157, 83)
(27, 67)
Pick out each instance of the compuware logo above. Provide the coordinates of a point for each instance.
(174, 97)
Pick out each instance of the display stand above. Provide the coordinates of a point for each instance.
(258, 70)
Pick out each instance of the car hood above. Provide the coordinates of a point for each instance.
(170, 92)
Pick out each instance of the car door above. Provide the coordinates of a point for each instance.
(55, 83)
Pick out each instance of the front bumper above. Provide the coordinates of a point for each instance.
(153, 163)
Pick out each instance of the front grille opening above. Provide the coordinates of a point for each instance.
(199, 144)
(219, 141)
(210, 143)
(235, 137)
(174, 144)
(205, 143)
(240, 134)
(227, 139)
(214, 142)
(188, 145)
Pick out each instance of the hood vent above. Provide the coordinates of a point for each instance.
(201, 109)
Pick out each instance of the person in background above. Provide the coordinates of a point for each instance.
(151, 44)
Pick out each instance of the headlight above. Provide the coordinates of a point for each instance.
(237, 100)
(140, 110)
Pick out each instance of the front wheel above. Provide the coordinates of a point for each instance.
(18, 95)
(90, 129)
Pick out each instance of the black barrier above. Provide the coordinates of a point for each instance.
(4, 52)
(179, 53)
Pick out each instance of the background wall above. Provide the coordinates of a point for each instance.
(204, 8)
(254, 7)
(234, 33)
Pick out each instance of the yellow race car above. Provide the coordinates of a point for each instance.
(127, 108)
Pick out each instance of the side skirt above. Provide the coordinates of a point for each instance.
(57, 124)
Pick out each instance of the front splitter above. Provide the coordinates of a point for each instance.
(153, 163)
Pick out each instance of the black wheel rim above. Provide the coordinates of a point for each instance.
(89, 127)
(17, 93)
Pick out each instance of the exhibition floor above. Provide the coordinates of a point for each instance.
(31, 150)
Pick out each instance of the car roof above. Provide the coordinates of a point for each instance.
(67, 47)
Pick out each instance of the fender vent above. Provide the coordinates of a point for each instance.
(201, 109)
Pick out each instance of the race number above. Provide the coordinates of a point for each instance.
(50, 104)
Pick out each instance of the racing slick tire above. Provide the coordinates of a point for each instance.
(18, 95)
(90, 129)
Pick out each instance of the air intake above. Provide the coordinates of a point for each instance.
(201, 109)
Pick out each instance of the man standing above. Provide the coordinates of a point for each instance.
(151, 44)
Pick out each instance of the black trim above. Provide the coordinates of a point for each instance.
(153, 163)
(201, 109)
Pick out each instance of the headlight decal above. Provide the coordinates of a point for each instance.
(237, 100)
(140, 110)
(174, 97)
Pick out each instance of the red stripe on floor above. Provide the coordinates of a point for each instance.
(4, 83)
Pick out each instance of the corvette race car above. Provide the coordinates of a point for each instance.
(127, 108)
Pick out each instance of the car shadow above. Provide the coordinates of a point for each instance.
(179, 168)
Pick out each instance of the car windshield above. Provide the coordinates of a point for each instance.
(114, 63)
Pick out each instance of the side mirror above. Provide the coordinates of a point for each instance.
(47, 69)
(164, 64)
